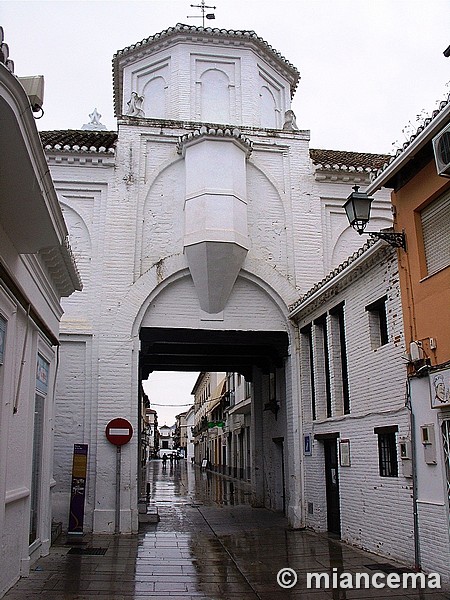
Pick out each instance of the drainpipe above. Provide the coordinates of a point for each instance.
(412, 420)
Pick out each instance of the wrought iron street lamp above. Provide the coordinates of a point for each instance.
(357, 208)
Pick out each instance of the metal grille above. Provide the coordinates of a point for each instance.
(446, 440)
(387, 454)
(88, 551)
(386, 568)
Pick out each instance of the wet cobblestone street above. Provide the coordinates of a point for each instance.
(209, 544)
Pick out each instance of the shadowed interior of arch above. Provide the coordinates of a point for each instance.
(168, 349)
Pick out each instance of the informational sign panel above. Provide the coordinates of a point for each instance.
(119, 432)
(78, 489)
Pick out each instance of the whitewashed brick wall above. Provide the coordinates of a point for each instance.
(126, 218)
(376, 512)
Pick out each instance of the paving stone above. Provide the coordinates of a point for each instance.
(202, 549)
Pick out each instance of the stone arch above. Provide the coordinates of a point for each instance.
(215, 96)
(170, 269)
(268, 108)
(155, 98)
(349, 241)
(266, 216)
(249, 307)
(81, 244)
(162, 229)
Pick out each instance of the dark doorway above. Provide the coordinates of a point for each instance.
(332, 485)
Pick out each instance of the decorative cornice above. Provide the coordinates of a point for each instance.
(86, 160)
(59, 261)
(215, 132)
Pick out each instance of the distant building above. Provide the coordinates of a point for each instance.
(166, 437)
(152, 428)
(190, 421)
(222, 423)
(181, 435)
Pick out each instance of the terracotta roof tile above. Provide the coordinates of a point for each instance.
(342, 160)
(334, 273)
(79, 140)
(76, 140)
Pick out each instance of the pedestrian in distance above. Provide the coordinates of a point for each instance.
(164, 459)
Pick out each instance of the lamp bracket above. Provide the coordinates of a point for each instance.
(393, 238)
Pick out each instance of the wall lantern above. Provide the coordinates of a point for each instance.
(357, 209)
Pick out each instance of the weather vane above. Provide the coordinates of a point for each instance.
(203, 8)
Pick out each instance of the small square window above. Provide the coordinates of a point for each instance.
(378, 328)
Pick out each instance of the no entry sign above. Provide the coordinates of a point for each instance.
(119, 432)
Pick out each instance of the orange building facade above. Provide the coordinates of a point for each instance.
(419, 177)
(425, 287)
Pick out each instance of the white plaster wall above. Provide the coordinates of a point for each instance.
(249, 308)
(432, 494)
(126, 218)
(17, 393)
(376, 512)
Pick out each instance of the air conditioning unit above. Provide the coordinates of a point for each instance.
(34, 87)
(415, 351)
(441, 148)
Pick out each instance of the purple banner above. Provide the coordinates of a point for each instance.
(78, 490)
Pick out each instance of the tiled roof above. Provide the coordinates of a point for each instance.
(243, 34)
(344, 265)
(105, 141)
(426, 122)
(76, 140)
(352, 161)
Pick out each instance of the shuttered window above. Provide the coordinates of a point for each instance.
(436, 234)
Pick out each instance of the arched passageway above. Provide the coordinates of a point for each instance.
(261, 358)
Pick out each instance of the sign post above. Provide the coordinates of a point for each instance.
(118, 432)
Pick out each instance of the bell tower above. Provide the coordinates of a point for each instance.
(212, 83)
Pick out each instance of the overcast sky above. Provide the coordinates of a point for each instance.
(368, 68)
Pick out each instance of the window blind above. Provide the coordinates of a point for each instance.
(436, 233)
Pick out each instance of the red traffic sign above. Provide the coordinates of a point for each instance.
(119, 432)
